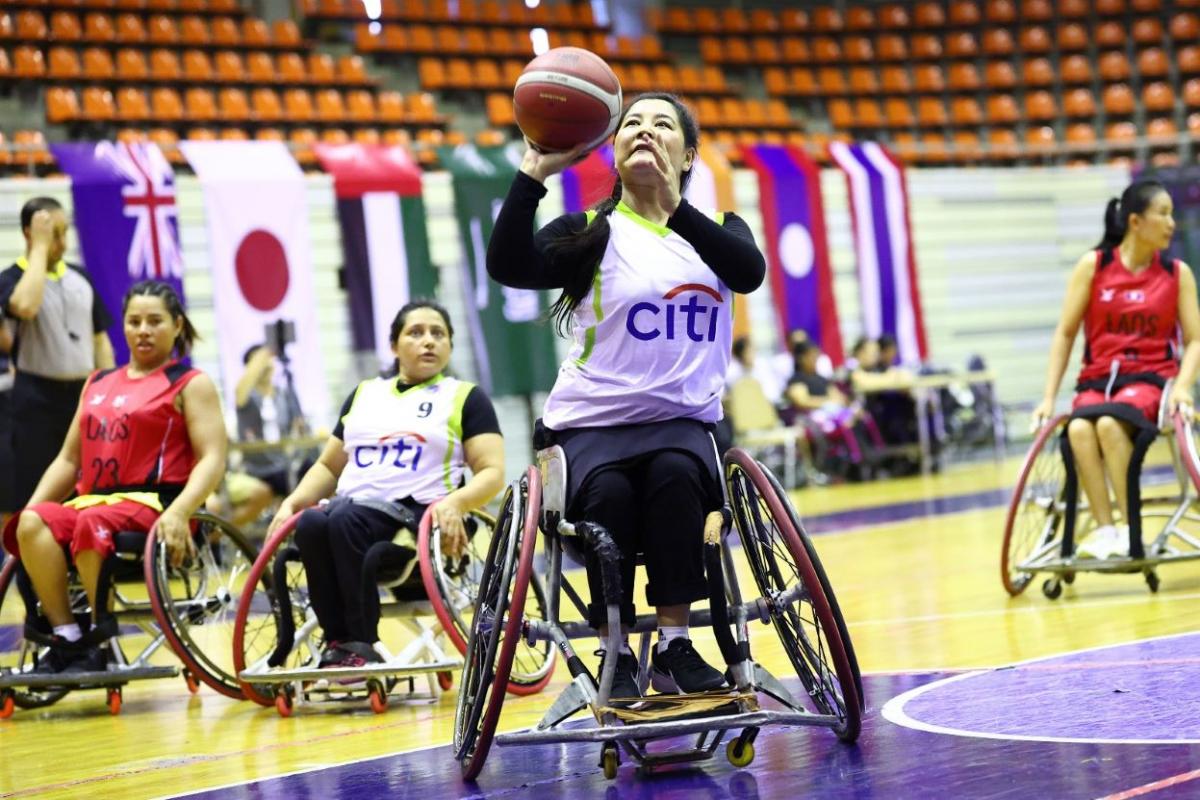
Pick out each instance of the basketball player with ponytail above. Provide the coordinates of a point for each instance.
(1134, 304)
(647, 284)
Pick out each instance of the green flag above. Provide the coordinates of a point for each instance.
(514, 346)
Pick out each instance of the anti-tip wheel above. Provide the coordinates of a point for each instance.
(7, 704)
(377, 696)
(1052, 588)
(114, 701)
(610, 761)
(283, 702)
(1152, 581)
(747, 754)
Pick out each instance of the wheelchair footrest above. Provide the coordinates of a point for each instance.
(85, 680)
(341, 673)
(660, 707)
(665, 728)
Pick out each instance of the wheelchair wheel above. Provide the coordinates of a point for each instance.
(195, 604)
(16, 654)
(1033, 527)
(1185, 438)
(453, 589)
(496, 623)
(826, 587)
(779, 562)
(259, 618)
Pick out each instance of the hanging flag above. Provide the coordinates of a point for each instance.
(590, 181)
(514, 346)
(384, 241)
(255, 202)
(796, 246)
(887, 271)
(711, 187)
(124, 198)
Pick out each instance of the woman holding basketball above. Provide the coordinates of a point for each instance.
(1132, 303)
(647, 286)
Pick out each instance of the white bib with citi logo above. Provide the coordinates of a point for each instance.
(652, 337)
(404, 443)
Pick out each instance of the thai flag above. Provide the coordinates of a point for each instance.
(796, 245)
(887, 271)
(590, 181)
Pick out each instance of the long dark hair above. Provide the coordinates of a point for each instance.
(579, 253)
(164, 291)
(401, 318)
(1134, 200)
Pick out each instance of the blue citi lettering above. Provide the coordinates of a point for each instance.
(398, 454)
(647, 321)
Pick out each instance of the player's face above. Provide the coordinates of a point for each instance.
(423, 347)
(1156, 224)
(650, 136)
(150, 331)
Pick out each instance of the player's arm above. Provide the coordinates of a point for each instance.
(1074, 306)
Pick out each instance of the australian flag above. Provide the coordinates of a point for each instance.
(125, 215)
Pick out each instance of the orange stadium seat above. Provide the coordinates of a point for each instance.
(1110, 34)
(351, 70)
(132, 105)
(858, 49)
(255, 32)
(98, 64)
(1193, 124)
(890, 47)
(165, 105)
(1072, 37)
(129, 29)
(161, 30)
(201, 134)
(131, 66)
(1110, 8)
(863, 81)
(164, 65)
(1040, 137)
(1079, 103)
(934, 146)
(199, 104)
(1146, 6)
(63, 64)
(228, 67)
(1036, 11)
(1152, 63)
(826, 19)
(999, 75)
(1037, 72)
(1081, 133)
(1075, 69)
(266, 106)
(1073, 9)
(859, 18)
(997, 42)
(233, 135)
(795, 51)
(925, 47)
(895, 80)
(459, 75)
(966, 146)
(196, 66)
(706, 20)
(431, 74)
(500, 110)
(928, 78)
(285, 33)
(291, 69)
(964, 14)
(421, 107)
(1161, 128)
(234, 106)
(360, 105)
(297, 105)
(28, 62)
(61, 105)
(893, 16)
(962, 77)
(1000, 12)
(1040, 106)
(1191, 93)
(965, 112)
(225, 32)
(960, 44)
(778, 114)
(1118, 99)
(1185, 27)
(5, 64)
(31, 26)
(830, 80)
(321, 68)
(1120, 133)
(1002, 109)
(488, 76)
(775, 80)
(1035, 39)
(1113, 66)
(841, 114)
(1002, 143)
(928, 14)
(763, 20)
(369, 136)
(1187, 59)
(803, 82)
(867, 114)
(899, 113)
(931, 112)
(260, 68)
(96, 104)
(1158, 96)
(1148, 31)
(826, 50)
(447, 40)
(65, 27)
(737, 51)
(98, 28)
(193, 31)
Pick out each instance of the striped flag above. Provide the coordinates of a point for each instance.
(887, 271)
(590, 181)
(384, 241)
(796, 246)
(711, 187)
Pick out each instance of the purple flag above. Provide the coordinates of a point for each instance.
(590, 181)
(125, 214)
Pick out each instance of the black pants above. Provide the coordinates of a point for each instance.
(655, 505)
(42, 411)
(7, 467)
(332, 545)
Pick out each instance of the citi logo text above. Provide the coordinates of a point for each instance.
(647, 321)
(394, 450)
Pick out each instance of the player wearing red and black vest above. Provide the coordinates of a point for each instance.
(1137, 308)
(145, 449)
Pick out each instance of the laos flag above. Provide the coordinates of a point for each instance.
(124, 198)
(796, 245)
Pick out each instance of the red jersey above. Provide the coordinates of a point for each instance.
(1131, 319)
(132, 435)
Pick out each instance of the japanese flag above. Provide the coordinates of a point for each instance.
(255, 204)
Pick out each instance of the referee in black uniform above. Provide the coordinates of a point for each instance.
(60, 338)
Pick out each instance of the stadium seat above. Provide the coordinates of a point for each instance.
(255, 33)
(1187, 60)
(925, 47)
(934, 146)
(31, 26)
(285, 33)
(233, 105)
(931, 112)
(98, 64)
(826, 50)
(360, 105)
(858, 18)
(61, 105)
(129, 29)
(98, 28)
(1110, 8)
(421, 108)
(225, 32)
(193, 32)
(1113, 66)
(866, 114)
(1158, 97)
(899, 113)
(63, 64)
(1040, 137)
(762, 20)
(967, 148)
(1000, 12)
(165, 105)
(65, 27)
(1162, 128)
(1081, 133)
(351, 70)
(1148, 31)
(893, 16)
(1036, 11)
(863, 81)
(132, 105)
(1191, 93)
(28, 62)
(199, 104)
(999, 75)
(929, 14)
(825, 19)
(97, 105)
(1072, 9)
(1185, 27)
(997, 42)
(1035, 40)
(290, 68)
(841, 114)
(161, 30)
(499, 110)
(321, 68)
(1002, 144)
(131, 66)
(259, 68)
(964, 14)
(855, 49)
(895, 80)
(890, 47)
(1002, 109)
(1110, 34)
(228, 67)
(1075, 69)
(265, 105)
(928, 78)
(1120, 133)
(1037, 72)
(965, 112)
(164, 65)
(1040, 106)
(1152, 63)
(297, 105)
(795, 51)
(960, 44)
(1118, 99)
(196, 67)
(1072, 38)
(33, 151)
(830, 80)
(1193, 124)
(803, 82)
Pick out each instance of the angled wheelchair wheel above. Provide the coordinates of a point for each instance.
(780, 563)
(826, 587)
(496, 622)
(453, 588)
(17, 654)
(1033, 527)
(265, 626)
(1189, 453)
(195, 604)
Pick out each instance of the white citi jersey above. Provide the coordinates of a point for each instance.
(651, 338)
(404, 443)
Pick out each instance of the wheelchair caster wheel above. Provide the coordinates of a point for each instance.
(377, 696)
(114, 701)
(610, 760)
(742, 759)
(193, 685)
(1152, 581)
(7, 704)
(1068, 578)
(445, 680)
(283, 702)
(1052, 588)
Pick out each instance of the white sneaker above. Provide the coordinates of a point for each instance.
(1107, 541)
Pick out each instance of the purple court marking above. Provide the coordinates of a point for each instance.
(1139, 692)
(889, 761)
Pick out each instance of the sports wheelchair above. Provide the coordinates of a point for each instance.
(188, 608)
(1047, 511)
(793, 595)
(277, 643)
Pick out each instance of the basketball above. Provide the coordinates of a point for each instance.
(566, 97)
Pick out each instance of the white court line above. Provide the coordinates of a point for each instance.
(893, 710)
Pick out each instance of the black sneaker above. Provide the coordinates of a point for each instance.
(56, 658)
(680, 670)
(331, 655)
(625, 679)
(88, 659)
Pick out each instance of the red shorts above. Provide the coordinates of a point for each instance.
(1145, 398)
(85, 529)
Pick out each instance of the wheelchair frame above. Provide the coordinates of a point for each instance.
(284, 686)
(538, 500)
(1034, 537)
(163, 616)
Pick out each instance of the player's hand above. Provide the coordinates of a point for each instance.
(41, 229)
(173, 530)
(539, 164)
(666, 176)
(448, 516)
(1041, 415)
(282, 515)
(1181, 401)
